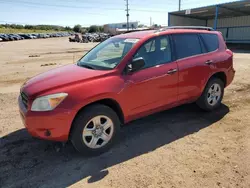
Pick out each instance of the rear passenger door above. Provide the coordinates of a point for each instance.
(192, 63)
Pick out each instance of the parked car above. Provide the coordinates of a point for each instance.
(16, 36)
(13, 37)
(41, 36)
(77, 38)
(126, 77)
(54, 35)
(26, 36)
(5, 37)
(34, 36)
(1, 39)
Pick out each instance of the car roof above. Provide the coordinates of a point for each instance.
(136, 34)
(152, 33)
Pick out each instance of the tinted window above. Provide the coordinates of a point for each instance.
(187, 45)
(164, 43)
(203, 47)
(155, 52)
(211, 41)
(150, 46)
(165, 50)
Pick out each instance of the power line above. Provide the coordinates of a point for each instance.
(93, 2)
(154, 2)
(79, 7)
(53, 5)
(115, 3)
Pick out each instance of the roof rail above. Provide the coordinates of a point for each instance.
(187, 27)
(135, 30)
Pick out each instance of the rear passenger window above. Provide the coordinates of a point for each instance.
(187, 45)
(211, 41)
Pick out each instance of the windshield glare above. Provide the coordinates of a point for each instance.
(107, 54)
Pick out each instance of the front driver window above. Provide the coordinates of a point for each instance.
(155, 51)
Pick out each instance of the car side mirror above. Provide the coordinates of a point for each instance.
(136, 64)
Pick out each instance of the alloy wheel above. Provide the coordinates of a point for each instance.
(98, 131)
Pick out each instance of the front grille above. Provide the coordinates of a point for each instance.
(24, 98)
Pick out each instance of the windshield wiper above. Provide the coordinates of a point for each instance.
(87, 66)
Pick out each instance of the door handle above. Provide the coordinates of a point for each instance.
(209, 62)
(172, 71)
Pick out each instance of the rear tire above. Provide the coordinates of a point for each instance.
(212, 95)
(95, 130)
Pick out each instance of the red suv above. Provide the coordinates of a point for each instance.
(126, 77)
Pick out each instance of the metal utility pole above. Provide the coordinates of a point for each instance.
(179, 5)
(127, 10)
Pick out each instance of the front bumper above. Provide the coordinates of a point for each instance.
(52, 125)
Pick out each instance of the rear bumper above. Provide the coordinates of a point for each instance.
(230, 75)
(52, 125)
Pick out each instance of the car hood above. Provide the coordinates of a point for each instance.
(59, 77)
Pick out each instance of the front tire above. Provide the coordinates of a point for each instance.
(212, 95)
(95, 130)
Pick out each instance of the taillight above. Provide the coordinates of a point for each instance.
(229, 52)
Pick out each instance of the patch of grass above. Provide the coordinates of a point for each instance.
(11, 30)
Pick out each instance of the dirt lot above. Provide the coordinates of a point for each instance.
(182, 147)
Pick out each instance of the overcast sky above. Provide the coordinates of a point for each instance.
(89, 12)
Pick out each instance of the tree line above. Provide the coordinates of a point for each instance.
(36, 27)
(77, 28)
(92, 29)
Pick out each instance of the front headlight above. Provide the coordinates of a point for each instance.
(49, 102)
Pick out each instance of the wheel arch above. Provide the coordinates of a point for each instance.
(113, 104)
(201, 100)
(221, 75)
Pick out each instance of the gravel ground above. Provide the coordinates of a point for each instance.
(181, 147)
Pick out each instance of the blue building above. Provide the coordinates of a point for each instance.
(231, 19)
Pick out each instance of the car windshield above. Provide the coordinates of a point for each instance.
(108, 54)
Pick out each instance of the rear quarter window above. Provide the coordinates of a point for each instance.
(211, 41)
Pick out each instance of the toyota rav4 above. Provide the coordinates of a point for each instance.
(124, 78)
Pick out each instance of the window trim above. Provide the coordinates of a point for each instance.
(202, 43)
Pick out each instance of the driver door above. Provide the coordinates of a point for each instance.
(155, 86)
